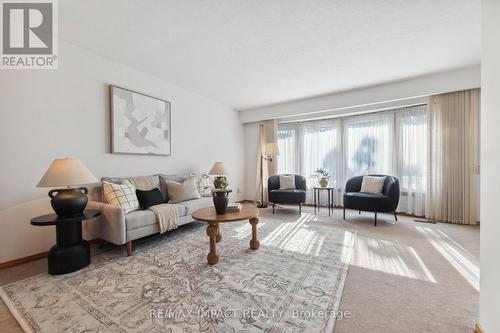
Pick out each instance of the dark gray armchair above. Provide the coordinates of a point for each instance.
(287, 196)
(384, 202)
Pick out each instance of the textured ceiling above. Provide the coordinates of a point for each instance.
(257, 52)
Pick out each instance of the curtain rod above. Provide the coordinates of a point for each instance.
(354, 114)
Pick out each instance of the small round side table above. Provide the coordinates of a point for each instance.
(71, 251)
(317, 193)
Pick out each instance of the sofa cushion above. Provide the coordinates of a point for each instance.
(192, 205)
(178, 192)
(204, 183)
(141, 218)
(372, 202)
(287, 196)
(145, 183)
(149, 198)
(121, 195)
(163, 183)
(114, 180)
(287, 182)
(372, 184)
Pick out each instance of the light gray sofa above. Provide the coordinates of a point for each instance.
(119, 228)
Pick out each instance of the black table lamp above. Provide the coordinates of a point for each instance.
(70, 201)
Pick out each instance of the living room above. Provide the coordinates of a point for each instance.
(247, 166)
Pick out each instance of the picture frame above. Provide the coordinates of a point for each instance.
(140, 124)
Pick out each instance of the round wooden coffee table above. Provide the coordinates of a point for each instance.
(209, 216)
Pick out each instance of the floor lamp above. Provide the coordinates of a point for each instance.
(270, 150)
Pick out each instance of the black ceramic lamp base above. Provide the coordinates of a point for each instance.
(69, 202)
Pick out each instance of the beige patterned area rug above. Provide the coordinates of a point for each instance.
(292, 283)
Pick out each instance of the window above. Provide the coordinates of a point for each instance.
(320, 148)
(367, 145)
(412, 148)
(390, 142)
(287, 144)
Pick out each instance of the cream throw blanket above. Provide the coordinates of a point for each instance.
(167, 216)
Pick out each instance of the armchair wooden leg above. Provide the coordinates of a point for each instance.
(273, 208)
(129, 248)
(395, 216)
(344, 213)
(375, 224)
(300, 209)
(359, 212)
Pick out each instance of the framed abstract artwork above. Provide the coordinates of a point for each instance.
(140, 124)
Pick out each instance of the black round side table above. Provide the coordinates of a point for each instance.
(71, 251)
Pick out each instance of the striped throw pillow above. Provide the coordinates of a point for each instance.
(121, 195)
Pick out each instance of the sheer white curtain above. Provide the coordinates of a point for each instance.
(319, 149)
(268, 133)
(368, 145)
(288, 146)
(390, 142)
(411, 152)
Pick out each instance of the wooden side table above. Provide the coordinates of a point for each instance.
(317, 192)
(71, 251)
(213, 219)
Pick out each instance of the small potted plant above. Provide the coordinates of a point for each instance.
(220, 194)
(322, 176)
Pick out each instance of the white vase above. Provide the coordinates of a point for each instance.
(323, 182)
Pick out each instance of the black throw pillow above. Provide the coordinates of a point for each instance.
(149, 198)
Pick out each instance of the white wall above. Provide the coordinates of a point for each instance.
(65, 113)
(391, 95)
(460, 79)
(489, 304)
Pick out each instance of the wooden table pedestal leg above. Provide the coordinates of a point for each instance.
(254, 242)
(219, 235)
(212, 256)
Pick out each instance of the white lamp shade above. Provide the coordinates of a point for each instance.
(66, 172)
(271, 149)
(218, 169)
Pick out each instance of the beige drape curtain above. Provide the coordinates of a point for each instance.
(453, 157)
(268, 133)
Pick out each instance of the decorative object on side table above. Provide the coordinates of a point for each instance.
(234, 207)
(220, 193)
(71, 252)
(322, 176)
(71, 201)
(270, 151)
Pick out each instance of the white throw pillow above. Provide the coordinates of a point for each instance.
(204, 184)
(287, 182)
(121, 195)
(372, 184)
(186, 190)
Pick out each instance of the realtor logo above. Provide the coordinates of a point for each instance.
(29, 34)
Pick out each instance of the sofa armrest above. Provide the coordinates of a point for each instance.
(391, 189)
(111, 225)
